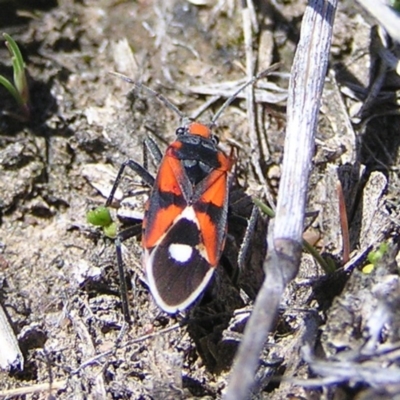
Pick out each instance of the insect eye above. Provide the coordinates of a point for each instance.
(214, 139)
(180, 131)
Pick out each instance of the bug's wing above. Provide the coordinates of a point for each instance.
(177, 268)
(165, 203)
(211, 209)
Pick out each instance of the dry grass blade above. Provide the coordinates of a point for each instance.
(307, 81)
(264, 92)
(250, 104)
(88, 349)
(342, 371)
(43, 388)
(10, 355)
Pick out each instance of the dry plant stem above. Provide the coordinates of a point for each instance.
(344, 224)
(10, 353)
(252, 15)
(98, 357)
(250, 104)
(306, 84)
(336, 372)
(247, 31)
(379, 39)
(44, 388)
(88, 349)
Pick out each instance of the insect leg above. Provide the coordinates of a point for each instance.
(151, 145)
(121, 237)
(133, 165)
(248, 234)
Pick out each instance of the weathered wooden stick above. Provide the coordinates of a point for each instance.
(283, 258)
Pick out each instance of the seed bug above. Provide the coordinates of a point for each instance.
(185, 223)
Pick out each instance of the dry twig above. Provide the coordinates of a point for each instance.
(306, 84)
(250, 104)
(10, 354)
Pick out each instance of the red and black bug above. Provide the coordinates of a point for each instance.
(185, 223)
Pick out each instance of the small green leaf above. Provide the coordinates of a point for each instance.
(20, 80)
(17, 60)
(395, 4)
(13, 91)
(19, 89)
(367, 269)
(110, 230)
(100, 216)
(264, 208)
(375, 256)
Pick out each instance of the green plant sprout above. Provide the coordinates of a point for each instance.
(374, 257)
(327, 265)
(395, 4)
(19, 90)
(101, 216)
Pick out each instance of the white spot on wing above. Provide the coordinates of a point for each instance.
(148, 259)
(180, 252)
(189, 214)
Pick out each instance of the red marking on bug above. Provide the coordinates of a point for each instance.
(196, 128)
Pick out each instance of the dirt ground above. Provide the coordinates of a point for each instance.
(58, 275)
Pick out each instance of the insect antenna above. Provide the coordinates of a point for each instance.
(262, 74)
(159, 96)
